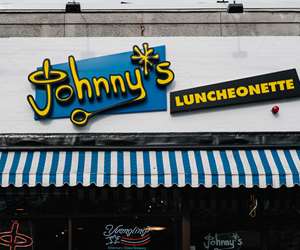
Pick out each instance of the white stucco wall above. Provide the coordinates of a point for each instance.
(196, 61)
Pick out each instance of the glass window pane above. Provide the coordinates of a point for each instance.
(50, 234)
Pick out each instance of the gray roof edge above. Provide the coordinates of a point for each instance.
(170, 10)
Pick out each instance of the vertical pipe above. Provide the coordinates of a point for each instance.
(186, 221)
(69, 234)
(186, 232)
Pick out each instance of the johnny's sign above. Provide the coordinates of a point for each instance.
(278, 85)
(121, 83)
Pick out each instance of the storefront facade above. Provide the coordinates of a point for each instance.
(150, 143)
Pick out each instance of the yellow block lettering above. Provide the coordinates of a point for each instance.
(115, 81)
(231, 93)
(273, 86)
(138, 85)
(211, 96)
(254, 89)
(200, 97)
(281, 85)
(42, 112)
(221, 94)
(242, 91)
(290, 84)
(264, 88)
(178, 102)
(165, 75)
(80, 84)
(188, 99)
(99, 83)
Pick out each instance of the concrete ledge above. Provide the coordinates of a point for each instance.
(34, 18)
(38, 30)
(213, 22)
(145, 18)
(149, 18)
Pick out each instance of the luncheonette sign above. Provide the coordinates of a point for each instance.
(137, 84)
(279, 85)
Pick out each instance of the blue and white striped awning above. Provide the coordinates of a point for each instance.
(140, 168)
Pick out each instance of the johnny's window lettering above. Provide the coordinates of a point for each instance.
(222, 241)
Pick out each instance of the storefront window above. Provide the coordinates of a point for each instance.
(50, 234)
(83, 219)
(284, 239)
(98, 218)
(283, 233)
(222, 219)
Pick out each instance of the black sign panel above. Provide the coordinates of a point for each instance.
(278, 85)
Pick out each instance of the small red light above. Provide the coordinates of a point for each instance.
(275, 109)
